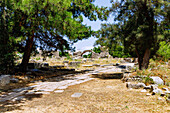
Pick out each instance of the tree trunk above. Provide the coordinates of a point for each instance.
(27, 53)
(145, 62)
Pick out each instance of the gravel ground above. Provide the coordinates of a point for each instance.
(98, 95)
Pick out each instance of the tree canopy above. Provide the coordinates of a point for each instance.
(139, 25)
(46, 23)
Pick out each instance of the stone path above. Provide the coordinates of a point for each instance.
(56, 86)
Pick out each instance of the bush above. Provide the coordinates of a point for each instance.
(164, 50)
(119, 52)
(97, 50)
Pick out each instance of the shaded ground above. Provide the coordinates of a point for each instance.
(99, 95)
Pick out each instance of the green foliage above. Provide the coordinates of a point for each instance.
(164, 50)
(148, 80)
(38, 58)
(87, 56)
(137, 27)
(97, 50)
(118, 51)
(45, 23)
(6, 48)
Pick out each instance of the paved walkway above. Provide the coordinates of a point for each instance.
(55, 86)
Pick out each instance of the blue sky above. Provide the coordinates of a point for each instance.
(95, 25)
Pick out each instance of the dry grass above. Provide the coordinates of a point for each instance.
(96, 98)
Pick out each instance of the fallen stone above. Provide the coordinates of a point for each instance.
(87, 65)
(135, 86)
(4, 80)
(40, 93)
(159, 98)
(76, 95)
(62, 87)
(59, 91)
(156, 91)
(144, 90)
(18, 98)
(148, 94)
(30, 93)
(122, 61)
(157, 80)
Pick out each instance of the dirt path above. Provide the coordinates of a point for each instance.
(98, 95)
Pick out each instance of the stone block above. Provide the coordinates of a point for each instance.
(4, 80)
(76, 95)
(157, 80)
(135, 86)
(108, 75)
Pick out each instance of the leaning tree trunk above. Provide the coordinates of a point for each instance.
(27, 53)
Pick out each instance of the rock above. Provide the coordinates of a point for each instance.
(157, 80)
(127, 66)
(104, 54)
(62, 87)
(159, 98)
(4, 80)
(144, 90)
(56, 54)
(95, 55)
(156, 91)
(128, 60)
(76, 95)
(135, 86)
(40, 93)
(18, 98)
(148, 94)
(122, 61)
(97, 65)
(74, 64)
(59, 91)
(87, 65)
(77, 53)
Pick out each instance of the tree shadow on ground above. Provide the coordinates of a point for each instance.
(48, 75)
(118, 75)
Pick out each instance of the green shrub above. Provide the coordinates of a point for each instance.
(164, 50)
